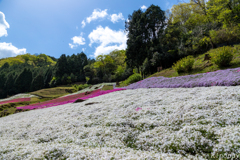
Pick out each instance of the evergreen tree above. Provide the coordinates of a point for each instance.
(23, 81)
(47, 78)
(9, 85)
(136, 44)
(37, 83)
(62, 66)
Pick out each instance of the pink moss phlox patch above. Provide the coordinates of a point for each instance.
(68, 99)
(16, 100)
(138, 108)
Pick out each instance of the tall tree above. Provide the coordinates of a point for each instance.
(47, 78)
(23, 81)
(62, 66)
(37, 83)
(136, 44)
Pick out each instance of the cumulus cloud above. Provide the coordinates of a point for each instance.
(8, 50)
(97, 13)
(3, 25)
(77, 40)
(83, 24)
(108, 39)
(115, 17)
(144, 7)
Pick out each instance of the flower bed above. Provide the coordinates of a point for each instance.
(156, 123)
(228, 77)
(15, 100)
(68, 99)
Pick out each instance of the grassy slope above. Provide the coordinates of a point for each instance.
(201, 66)
(53, 92)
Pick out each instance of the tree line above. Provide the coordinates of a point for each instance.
(27, 73)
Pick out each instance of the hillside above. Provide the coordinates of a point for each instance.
(34, 60)
(201, 66)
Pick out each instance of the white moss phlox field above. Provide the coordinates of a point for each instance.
(167, 123)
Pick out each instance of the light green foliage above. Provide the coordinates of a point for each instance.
(220, 10)
(105, 62)
(28, 58)
(132, 79)
(222, 56)
(80, 87)
(87, 79)
(118, 57)
(119, 71)
(184, 65)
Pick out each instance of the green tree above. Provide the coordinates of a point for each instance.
(61, 67)
(23, 81)
(136, 44)
(47, 78)
(9, 84)
(37, 83)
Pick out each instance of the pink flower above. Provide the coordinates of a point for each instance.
(138, 109)
(238, 70)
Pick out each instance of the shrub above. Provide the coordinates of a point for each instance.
(222, 56)
(184, 65)
(79, 87)
(133, 78)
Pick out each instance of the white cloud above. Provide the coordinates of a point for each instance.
(97, 13)
(8, 50)
(144, 7)
(3, 25)
(77, 40)
(109, 40)
(115, 17)
(83, 24)
(83, 49)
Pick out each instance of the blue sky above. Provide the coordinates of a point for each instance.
(57, 27)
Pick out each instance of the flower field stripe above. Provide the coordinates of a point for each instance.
(228, 77)
(15, 100)
(67, 99)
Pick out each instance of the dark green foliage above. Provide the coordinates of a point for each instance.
(62, 66)
(47, 78)
(23, 81)
(9, 84)
(136, 44)
(37, 83)
(73, 78)
(145, 29)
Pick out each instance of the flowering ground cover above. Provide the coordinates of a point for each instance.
(68, 99)
(15, 100)
(228, 77)
(154, 123)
